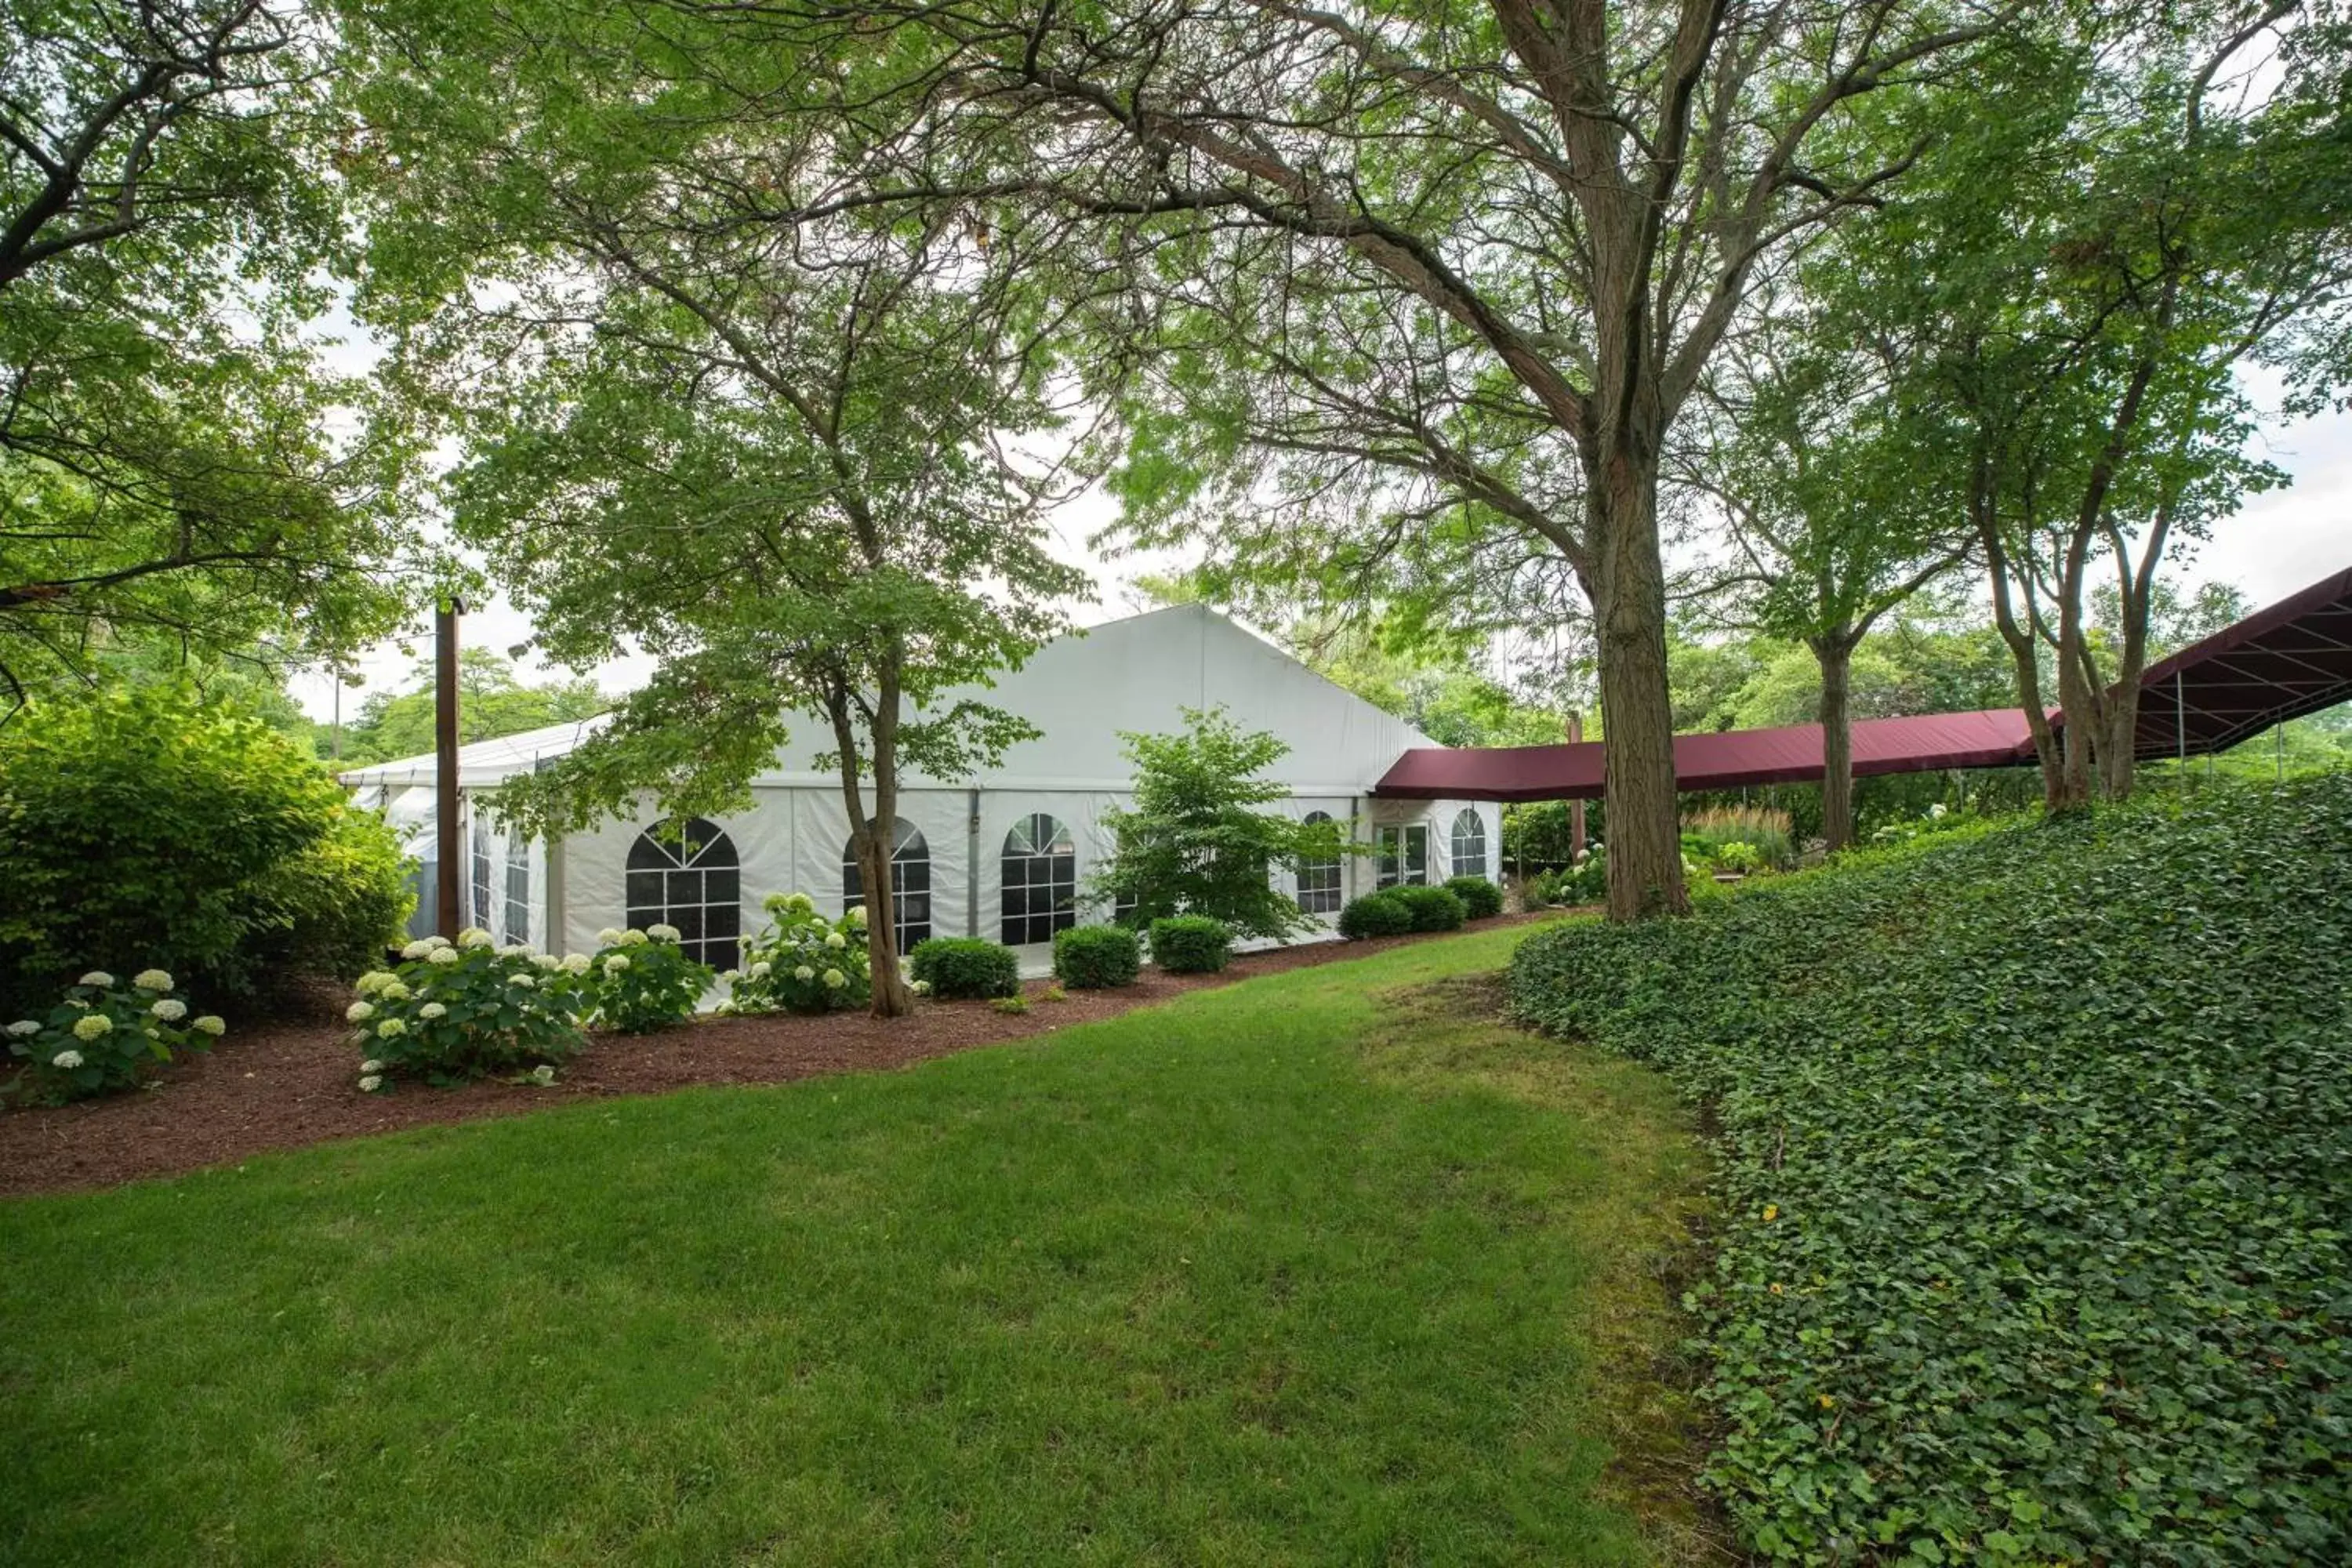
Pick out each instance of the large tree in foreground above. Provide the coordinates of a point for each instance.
(1436, 283)
(775, 454)
(176, 466)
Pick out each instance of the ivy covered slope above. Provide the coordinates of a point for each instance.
(2036, 1177)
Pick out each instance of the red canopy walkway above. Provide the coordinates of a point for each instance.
(2280, 663)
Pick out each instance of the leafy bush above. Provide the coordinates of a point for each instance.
(965, 967)
(1764, 829)
(465, 1010)
(1196, 845)
(639, 981)
(1432, 908)
(2036, 1173)
(1375, 914)
(103, 1035)
(1480, 898)
(1586, 882)
(801, 963)
(335, 908)
(144, 827)
(1094, 958)
(1192, 944)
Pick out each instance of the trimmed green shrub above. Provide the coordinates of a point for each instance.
(1375, 914)
(1432, 908)
(643, 980)
(964, 967)
(103, 1035)
(1192, 944)
(2034, 1182)
(145, 828)
(1480, 898)
(468, 1009)
(1094, 958)
(800, 961)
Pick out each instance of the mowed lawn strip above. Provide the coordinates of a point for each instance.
(1326, 1267)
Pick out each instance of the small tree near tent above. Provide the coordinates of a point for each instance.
(1196, 843)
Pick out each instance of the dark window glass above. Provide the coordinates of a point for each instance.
(688, 879)
(1040, 877)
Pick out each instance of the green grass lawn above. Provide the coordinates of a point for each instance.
(1320, 1268)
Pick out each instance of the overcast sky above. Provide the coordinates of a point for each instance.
(2278, 543)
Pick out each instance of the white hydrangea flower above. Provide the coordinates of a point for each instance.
(371, 1083)
(515, 950)
(359, 1012)
(608, 937)
(543, 1075)
(835, 980)
(432, 1010)
(98, 977)
(373, 981)
(475, 936)
(441, 955)
(77, 1001)
(763, 969)
(152, 980)
(24, 1028)
(731, 976)
(663, 933)
(803, 973)
(391, 1028)
(209, 1024)
(744, 943)
(171, 1012)
(857, 915)
(836, 941)
(547, 962)
(418, 949)
(633, 937)
(577, 963)
(393, 991)
(528, 982)
(65, 1060)
(370, 1066)
(93, 1026)
(615, 964)
(921, 988)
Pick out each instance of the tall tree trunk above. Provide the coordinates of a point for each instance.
(2023, 650)
(871, 836)
(1629, 600)
(1835, 654)
(2078, 696)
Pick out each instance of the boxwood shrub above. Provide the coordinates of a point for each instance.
(2034, 1192)
(1375, 914)
(1479, 897)
(1432, 908)
(1190, 945)
(965, 967)
(1094, 958)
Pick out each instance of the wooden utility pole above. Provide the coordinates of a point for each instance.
(446, 919)
(1575, 806)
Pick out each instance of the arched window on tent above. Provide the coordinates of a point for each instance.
(911, 883)
(688, 877)
(1040, 880)
(1470, 844)
(518, 887)
(1319, 881)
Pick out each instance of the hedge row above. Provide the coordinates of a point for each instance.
(2035, 1182)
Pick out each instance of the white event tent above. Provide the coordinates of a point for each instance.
(1004, 855)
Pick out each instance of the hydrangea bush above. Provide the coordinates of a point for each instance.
(642, 980)
(800, 961)
(103, 1034)
(468, 1009)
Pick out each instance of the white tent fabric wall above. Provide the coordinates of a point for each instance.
(1081, 692)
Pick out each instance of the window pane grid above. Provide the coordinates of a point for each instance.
(910, 884)
(1040, 881)
(1469, 845)
(692, 884)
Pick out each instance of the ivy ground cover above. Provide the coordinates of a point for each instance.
(1316, 1268)
(2036, 1183)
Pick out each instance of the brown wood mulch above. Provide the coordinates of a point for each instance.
(288, 1084)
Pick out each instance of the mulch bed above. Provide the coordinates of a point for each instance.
(286, 1085)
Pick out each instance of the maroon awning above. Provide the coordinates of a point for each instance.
(1792, 754)
(2280, 663)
